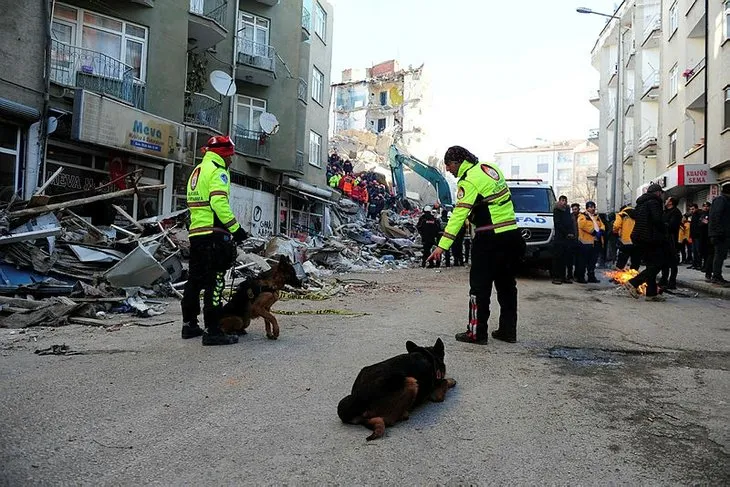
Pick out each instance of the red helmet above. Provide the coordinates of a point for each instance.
(221, 145)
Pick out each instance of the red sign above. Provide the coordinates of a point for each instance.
(694, 174)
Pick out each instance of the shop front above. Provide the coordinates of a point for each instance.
(16, 121)
(106, 146)
(304, 209)
(689, 183)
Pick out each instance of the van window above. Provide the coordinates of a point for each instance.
(532, 200)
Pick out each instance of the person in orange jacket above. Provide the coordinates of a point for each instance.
(622, 227)
(591, 230)
(683, 244)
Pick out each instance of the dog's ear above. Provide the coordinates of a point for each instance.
(438, 348)
(411, 347)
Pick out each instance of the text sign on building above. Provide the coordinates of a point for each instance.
(106, 122)
(695, 174)
(254, 210)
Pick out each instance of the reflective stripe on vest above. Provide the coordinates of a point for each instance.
(497, 199)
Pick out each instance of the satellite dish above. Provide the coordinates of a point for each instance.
(269, 123)
(222, 83)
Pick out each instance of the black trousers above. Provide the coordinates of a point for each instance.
(570, 258)
(458, 249)
(586, 260)
(467, 250)
(427, 246)
(210, 257)
(627, 252)
(671, 263)
(655, 257)
(561, 255)
(495, 259)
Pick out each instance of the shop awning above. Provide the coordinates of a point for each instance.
(311, 191)
(16, 110)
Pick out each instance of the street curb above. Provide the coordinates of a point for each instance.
(705, 287)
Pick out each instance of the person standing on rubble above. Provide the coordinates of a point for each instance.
(428, 226)
(484, 197)
(213, 231)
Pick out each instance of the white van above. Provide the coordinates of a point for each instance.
(534, 201)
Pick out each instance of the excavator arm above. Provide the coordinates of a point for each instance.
(429, 173)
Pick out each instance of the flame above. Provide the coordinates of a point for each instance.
(620, 276)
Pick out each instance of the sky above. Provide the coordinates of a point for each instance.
(500, 71)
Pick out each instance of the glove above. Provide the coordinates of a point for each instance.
(240, 235)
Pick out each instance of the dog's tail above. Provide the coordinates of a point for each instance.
(350, 410)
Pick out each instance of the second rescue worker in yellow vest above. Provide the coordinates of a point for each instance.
(484, 197)
(213, 229)
(622, 227)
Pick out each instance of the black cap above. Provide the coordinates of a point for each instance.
(653, 188)
(590, 204)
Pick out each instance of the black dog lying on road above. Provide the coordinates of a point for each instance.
(384, 393)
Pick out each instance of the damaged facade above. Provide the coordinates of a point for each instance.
(373, 108)
(130, 93)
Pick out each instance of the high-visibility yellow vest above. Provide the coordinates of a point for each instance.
(482, 192)
(208, 189)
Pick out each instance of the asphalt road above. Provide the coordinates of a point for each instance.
(600, 389)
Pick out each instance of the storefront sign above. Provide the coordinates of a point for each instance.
(695, 174)
(254, 210)
(103, 121)
(75, 179)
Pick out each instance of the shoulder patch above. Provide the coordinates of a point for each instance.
(194, 178)
(224, 178)
(490, 171)
(460, 193)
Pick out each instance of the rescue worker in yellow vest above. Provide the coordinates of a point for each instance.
(484, 197)
(213, 231)
(590, 242)
(622, 227)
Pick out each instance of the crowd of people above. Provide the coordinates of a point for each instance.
(363, 188)
(431, 226)
(654, 234)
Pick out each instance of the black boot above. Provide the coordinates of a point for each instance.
(464, 337)
(191, 330)
(499, 336)
(217, 337)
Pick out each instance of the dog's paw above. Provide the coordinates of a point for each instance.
(271, 336)
(451, 383)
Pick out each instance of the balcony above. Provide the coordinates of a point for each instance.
(270, 3)
(146, 3)
(613, 75)
(695, 87)
(695, 19)
(302, 90)
(651, 87)
(631, 59)
(695, 154)
(629, 103)
(206, 23)
(628, 151)
(306, 24)
(76, 67)
(595, 98)
(652, 33)
(203, 111)
(252, 144)
(647, 143)
(256, 63)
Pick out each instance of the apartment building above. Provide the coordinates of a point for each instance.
(666, 102)
(569, 166)
(130, 89)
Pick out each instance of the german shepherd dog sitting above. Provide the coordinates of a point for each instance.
(254, 298)
(386, 392)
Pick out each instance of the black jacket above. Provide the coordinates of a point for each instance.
(694, 225)
(720, 217)
(564, 224)
(649, 228)
(673, 220)
(428, 226)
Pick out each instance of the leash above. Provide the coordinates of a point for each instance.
(340, 312)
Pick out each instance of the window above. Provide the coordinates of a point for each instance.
(726, 125)
(515, 171)
(673, 82)
(383, 98)
(119, 40)
(564, 175)
(672, 147)
(248, 114)
(381, 125)
(532, 200)
(727, 19)
(673, 19)
(317, 85)
(543, 168)
(254, 30)
(9, 148)
(315, 149)
(320, 22)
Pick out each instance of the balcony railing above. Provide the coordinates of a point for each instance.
(628, 149)
(256, 54)
(306, 20)
(653, 25)
(302, 90)
(201, 109)
(212, 9)
(651, 82)
(251, 143)
(77, 67)
(690, 73)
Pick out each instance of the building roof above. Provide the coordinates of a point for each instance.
(557, 146)
(387, 75)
